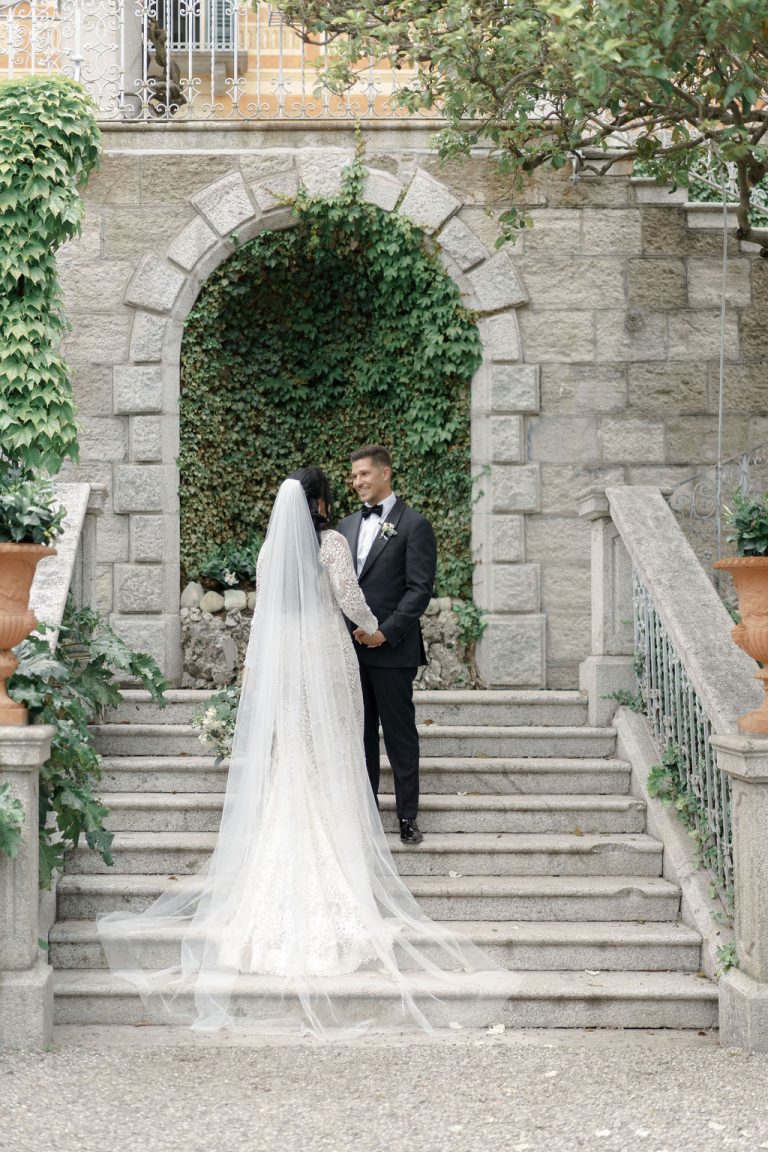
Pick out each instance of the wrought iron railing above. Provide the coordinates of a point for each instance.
(680, 725)
(188, 60)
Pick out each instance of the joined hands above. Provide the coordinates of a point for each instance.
(369, 639)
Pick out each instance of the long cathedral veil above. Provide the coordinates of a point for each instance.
(299, 920)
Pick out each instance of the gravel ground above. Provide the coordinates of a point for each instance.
(144, 1090)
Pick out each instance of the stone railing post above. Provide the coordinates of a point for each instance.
(26, 989)
(609, 668)
(744, 990)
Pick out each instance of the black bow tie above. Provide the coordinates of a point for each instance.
(371, 510)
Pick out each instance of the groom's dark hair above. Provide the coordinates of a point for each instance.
(376, 452)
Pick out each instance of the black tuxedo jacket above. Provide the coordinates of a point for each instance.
(398, 581)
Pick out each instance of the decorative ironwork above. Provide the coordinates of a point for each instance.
(677, 717)
(188, 60)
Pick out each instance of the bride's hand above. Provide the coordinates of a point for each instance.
(369, 639)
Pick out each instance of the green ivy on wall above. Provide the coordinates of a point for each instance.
(49, 142)
(311, 341)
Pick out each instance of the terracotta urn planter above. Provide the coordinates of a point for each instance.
(750, 576)
(17, 569)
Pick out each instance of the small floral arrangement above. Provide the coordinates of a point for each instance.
(387, 529)
(216, 722)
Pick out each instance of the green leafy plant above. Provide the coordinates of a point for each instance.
(632, 700)
(11, 821)
(471, 620)
(667, 782)
(49, 142)
(231, 564)
(70, 688)
(361, 337)
(727, 956)
(215, 721)
(29, 513)
(748, 519)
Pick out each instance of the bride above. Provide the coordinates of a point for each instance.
(301, 889)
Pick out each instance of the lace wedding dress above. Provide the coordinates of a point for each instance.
(301, 890)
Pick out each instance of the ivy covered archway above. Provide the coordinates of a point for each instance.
(306, 343)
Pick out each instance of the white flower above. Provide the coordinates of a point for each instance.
(387, 529)
(230, 577)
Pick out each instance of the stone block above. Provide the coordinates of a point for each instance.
(506, 439)
(705, 282)
(138, 389)
(168, 178)
(92, 389)
(501, 336)
(566, 586)
(147, 338)
(631, 336)
(746, 387)
(629, 439)
(515, 588)
(257, 166)
(147, 539)
(321, 169)
(461, 244)
(139, 588)
(601, 677)
(484, 223)
(557, 337)
(515, 487)
(155, 285)
(514, 388)
(125, 230)
(95, 285)
(86, 246)
(693, 439)
(573, 282)
(507, 538)
(575, 389)
(226, 204)
(273, 191)
(146, 439)
(655, 283)
(97, 339)
(512, 652)
(565, 539)
(382, 189)
(111, 538)
(556, 231)
(696, 336)
(26, 1007)
(116, 181)
(496, 284)
(103, 438)
(428, 204)
(588, 192)
(563, 439)
(754, 335)
(192, 243)
(139, 488)
(104, 589)
(618, 230)
(647, 191)
(568, 634)
(562, 483)
(472, 179)
(760, 283)
(150, 635)
(668, 388)
(743, 1016)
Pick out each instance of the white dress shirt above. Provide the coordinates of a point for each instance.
(369, 530)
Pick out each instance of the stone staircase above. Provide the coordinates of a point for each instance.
(533, 847)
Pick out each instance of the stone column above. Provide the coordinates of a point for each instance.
(744, 990)
(26, 989)
(609, 668)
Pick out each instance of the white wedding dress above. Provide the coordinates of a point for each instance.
(301, 890)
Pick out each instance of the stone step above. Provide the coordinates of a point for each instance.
(201, 812)
(510, 898)
(536, 946)
(517, 999)
(436, 740)
(480, 774)
(468, 853)
(494, 707)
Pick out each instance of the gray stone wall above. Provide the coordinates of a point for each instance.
(600, 327)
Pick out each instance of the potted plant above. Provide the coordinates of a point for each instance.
(748, 519)
(30, 519)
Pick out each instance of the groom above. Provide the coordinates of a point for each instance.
(395, 554)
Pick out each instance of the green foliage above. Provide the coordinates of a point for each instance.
(231, 564)
(216, 722)
(727, 957)
(307, 343)
(546, 80)
(668, 783)
(632, 700)
(471, 623)
(70, 688)
(49, 143)
(11, 821)
(28, 511)
(749, 520)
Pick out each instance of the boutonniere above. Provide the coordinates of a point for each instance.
(387, 530)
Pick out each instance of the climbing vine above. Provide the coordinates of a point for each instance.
(49, 142)
(309, 342)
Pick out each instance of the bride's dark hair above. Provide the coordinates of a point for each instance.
(316, 487)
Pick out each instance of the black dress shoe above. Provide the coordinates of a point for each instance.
(409, 832)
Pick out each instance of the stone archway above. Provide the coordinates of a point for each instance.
(163, 290)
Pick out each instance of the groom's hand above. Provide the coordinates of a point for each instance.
(369, 639)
